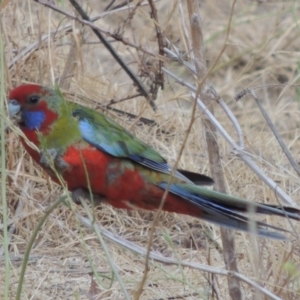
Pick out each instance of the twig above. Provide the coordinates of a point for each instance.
(100, 16)
(234, 121)
(140, 289)
(278, 137)
(143, 120)
(117, 9)
(159, 76)
(156, 256)
(115, 55)
(109, 5)
(245, 157)
(97, 31)
(204, 90)
(123, 4)
(113, 101)
(191, 68)
(244, 92)
(240, 151)
(93, 26)
(106, 250)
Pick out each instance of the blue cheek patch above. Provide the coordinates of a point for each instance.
(33, 119)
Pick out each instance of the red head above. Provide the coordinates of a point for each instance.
(36, 104)
(23, 93)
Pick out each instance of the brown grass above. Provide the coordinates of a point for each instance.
(262, 49)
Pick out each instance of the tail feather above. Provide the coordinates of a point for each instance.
(283, 211)
(225, 210)
(196, 178)
(235, 221)
(238, 204)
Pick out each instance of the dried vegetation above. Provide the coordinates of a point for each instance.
(263, 49)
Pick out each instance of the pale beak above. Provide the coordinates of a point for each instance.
(13, 107)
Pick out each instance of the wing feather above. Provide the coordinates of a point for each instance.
(108, 136)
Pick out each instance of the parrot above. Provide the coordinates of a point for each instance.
(100, 160)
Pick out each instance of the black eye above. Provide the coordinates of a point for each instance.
(33, 99)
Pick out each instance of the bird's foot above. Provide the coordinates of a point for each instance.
(51, 158)
(84, 194)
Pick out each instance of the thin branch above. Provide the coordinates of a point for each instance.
(116, 56)
(245, 157)
(239, 150)
(106, 250)
(244, 92)
(115, 36)
(109, 5)
(123, 4)
(113, 101)
(104, 107)
(278, 137)
(159, 76)
(156, 256)
(234, 121)
(204, 90)
(176, 55)
(119, 8)
(151, 235)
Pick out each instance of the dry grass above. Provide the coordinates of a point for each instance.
(262, 49)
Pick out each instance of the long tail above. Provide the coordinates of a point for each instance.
(226, 210)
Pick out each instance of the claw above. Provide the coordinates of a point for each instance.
(84, 194)
(50, 157)
(60, 163)
(47, 157)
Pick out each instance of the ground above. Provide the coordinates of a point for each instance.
(262, 50)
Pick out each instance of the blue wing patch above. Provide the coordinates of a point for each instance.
(88, 133)
(120, 149)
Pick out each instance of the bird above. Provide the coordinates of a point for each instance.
(100, 160)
